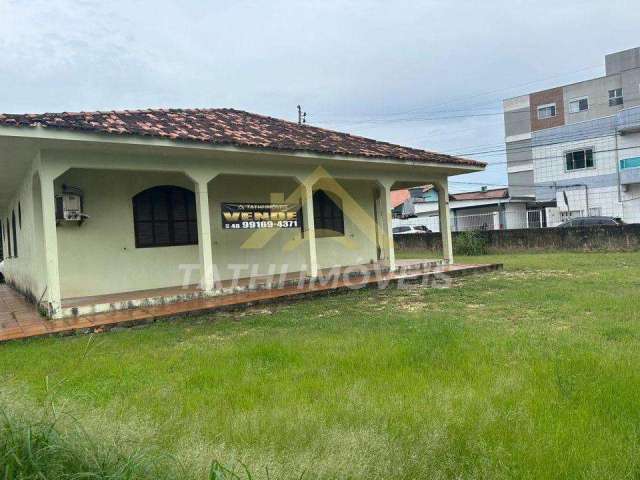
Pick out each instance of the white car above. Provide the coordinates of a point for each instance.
(410, 229)
(1, 269)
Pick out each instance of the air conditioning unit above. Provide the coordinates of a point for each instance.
(69, 205)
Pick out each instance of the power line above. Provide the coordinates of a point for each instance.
(467, 113)
(481, 94)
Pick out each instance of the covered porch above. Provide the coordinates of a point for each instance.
(160, 227)
(151, 223)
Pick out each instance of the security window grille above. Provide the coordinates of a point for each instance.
(579, 105)
(579, 159)
(165, 216)
(327, 215)
(615, 97)
(546, 111)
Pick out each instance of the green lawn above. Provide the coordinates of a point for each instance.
(533, 372)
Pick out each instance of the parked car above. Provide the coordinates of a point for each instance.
(591, 222)
(410, 229)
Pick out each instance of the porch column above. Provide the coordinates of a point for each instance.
(445, 220)
(50, 237)
(306, 189)
(386, 225)
(204, 234)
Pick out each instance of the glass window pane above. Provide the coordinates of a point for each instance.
(569, 159)
(589, 155)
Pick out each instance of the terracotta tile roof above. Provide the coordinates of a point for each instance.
(398, 197)
(496, 193)
(228, 127)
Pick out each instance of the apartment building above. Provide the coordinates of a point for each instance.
(575, 149)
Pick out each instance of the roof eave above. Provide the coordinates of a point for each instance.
(48, 133)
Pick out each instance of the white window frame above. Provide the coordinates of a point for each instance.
(577, 101)
(621, 97)
(583, 149)
(547, 105)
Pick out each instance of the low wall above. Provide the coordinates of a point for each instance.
(610, 238)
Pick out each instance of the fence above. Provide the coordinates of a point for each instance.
(594, 238)
(505, 220)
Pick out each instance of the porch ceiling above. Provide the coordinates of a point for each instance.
(16, 156)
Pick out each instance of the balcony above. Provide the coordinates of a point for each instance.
(630, 171)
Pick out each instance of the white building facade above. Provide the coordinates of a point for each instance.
(575, 150)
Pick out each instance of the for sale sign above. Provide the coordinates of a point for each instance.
(253, 216)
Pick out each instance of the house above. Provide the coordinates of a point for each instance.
(102, 203)
(575, 149)
(485, 209)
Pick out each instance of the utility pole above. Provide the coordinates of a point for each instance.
(302, 116)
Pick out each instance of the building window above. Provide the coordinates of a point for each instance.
(8, 240)
(579, 159)
(579, 105)
(14, 232)
(615, 97)
(165, 216)
(546, 111)
(327, 215)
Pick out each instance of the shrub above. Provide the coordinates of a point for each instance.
(470, 243)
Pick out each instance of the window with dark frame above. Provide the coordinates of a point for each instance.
(165, 216)
(615, 97)
(546, 111)
(1, 241)
(579, 105)
(328, 217)
(14, 232)
(579, 159)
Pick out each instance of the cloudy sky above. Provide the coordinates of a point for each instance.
(429, 74)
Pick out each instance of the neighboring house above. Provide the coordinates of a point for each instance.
(100, 203)
(485, 209)
(575, 149)
(413, 202)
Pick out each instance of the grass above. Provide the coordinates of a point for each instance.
(533, 372)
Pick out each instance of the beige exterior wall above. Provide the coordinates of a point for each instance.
(26, 271)
(100, 256)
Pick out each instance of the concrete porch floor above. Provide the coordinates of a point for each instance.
(79, 306)
(20, 319)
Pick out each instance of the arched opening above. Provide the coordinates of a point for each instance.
(165, 216)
